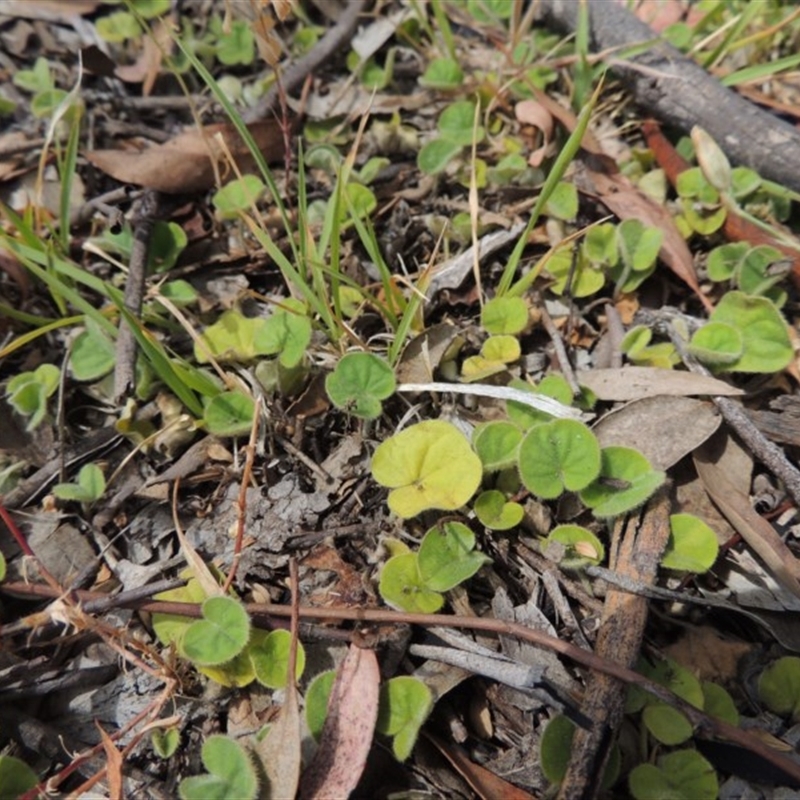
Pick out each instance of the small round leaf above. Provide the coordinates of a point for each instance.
(495, 512)
(429, 465)
(666, 724)
(270, 659)
(230, 414)
(404, 705)
(447, 556)
(401, 586)
(779, 687)
(220, 635)
(558, 455)
(692, 545)
(359, 383)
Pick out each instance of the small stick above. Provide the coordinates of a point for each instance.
(561, 352)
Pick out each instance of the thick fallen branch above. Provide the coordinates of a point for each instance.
(679, 92)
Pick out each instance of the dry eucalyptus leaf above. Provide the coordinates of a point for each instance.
(185, 164)
(424, 353)
(664, 429)
(632, 383)
(760, 536)
(279, 751)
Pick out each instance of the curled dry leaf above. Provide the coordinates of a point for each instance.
(186, 163)
(534, 114)
(735, 505)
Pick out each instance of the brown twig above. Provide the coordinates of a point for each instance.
(326, 48)
(706, 726)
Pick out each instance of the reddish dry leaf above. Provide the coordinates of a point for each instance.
(185, 164)
(349, 728)
(485, 783)
(659, 14)
(625, 200)
(279, 750)
(736, 508)
(147, 66)
(113, 765)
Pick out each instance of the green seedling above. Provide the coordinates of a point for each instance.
(220, 635)
(359, 383)
(496, 354)
(88, 488)
(236, 338)
(666, 724)
(316, 701)
(429, 465)
(180, 293)
(682, 775)
(231, 774)
(701, 205)
(575, 271)
(692, 545)
(753, 270)
(766, 346)
(92, 355)
(269, 655)
(122, 25)
(373, 75)
(497, 513)
(167, 242)
(497, 444)
(229, 414)
(223, 645)
(638, 247)
(555, 748)
(636, 346)
(402, 587)
(404, 705)
(524, 416)
(625, 482)
(236, 44)
(39, 82)
(779, 687)
(455, 127)
(505, 315)
(557, 456)
(563, 202)
(446, 558)
(238, 196)
(16, 777)
(442, 74)
(165, 742)
(717, 344)
(581, 547)
(28, 392)
(718, 703)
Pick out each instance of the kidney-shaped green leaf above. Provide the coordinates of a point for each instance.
(558, 455)
(359, 383)
(220, 635)
(429, 465)
(626, 481)
(447, 556)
